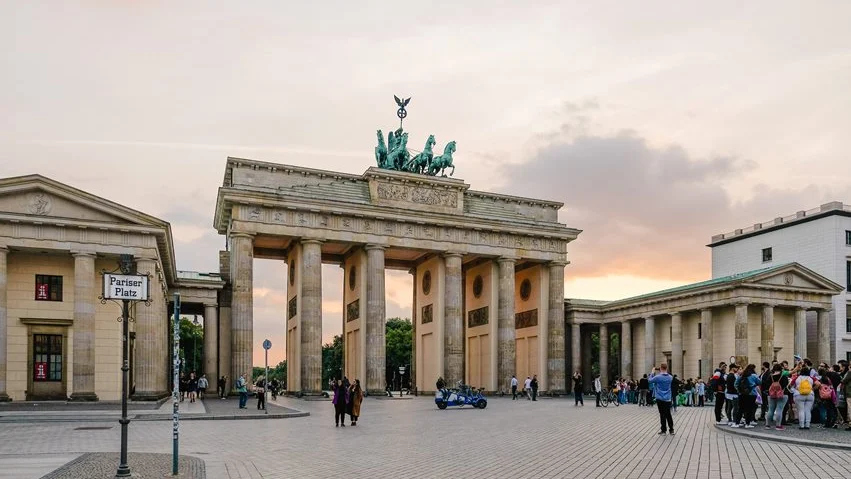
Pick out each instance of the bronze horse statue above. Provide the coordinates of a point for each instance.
(421, 162)
(440, 163)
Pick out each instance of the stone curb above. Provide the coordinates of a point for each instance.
(785, 439)
(198, 417)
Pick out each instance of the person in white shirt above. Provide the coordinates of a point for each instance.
(598, 388)
(528, 387)
(513, 388)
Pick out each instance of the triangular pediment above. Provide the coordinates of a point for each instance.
(37, 196)
(793, 275)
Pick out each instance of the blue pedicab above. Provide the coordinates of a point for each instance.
(462, 396)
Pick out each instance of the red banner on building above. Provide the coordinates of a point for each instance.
(41, 292)
(40, 371)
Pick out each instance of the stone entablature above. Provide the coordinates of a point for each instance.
(390, 208)
(805, 289)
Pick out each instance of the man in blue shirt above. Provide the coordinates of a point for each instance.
(661, 381)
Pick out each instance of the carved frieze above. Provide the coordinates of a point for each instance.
(353, 310)
(292, 307)
(417, 194)
(477, 317)
(389, 227)
(526, 319)
(427, 314)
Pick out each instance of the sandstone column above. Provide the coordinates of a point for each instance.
(677, 345)
(413, 374)
(604, 355)
(626, 350)
(801, 332)
(823, 336)
(766, 344)
(649, 344)
(242, 306)
(506, 339)
(225, 337)
(148, 372)
(85, 295)
(706, 356)
(555, 330)
(4, 252)
(741, 335)
(311, 317)
(211, 342)
(376, 316)
(453, 320)
(576, 349)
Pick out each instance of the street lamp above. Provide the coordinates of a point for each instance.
(401, 373)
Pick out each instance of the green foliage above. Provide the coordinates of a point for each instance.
(614, 355)
(332, 360)
(278, 372)
(191, 346)
(398, 349)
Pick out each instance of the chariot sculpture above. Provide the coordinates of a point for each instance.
(394, 154)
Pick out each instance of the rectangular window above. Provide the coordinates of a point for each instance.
(766, 255)
(47, 357)
(848, 320)
(848, 275)
(848, 237)
(699, 332)
(48, 288)
(699, 367)
(848, 356)
(671, 334)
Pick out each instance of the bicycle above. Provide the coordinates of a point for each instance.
(607, 396)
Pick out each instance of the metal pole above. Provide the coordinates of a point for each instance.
(266, 384)
(123, 468)
(175, 388)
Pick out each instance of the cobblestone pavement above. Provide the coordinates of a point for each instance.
(142, 466)
(547, 438)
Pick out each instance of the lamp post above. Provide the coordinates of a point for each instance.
(401, 373)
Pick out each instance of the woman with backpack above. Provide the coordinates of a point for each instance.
(748, 388)
(827, 395)
(804, 397)
(776, 397)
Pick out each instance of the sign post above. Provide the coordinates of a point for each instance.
(267, 345)
(175, 388)
(401, 373)
(125, 287)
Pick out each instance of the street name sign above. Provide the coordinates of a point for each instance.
(132, 287)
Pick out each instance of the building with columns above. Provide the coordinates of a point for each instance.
(488, 272)
(819, 239)
(748, 317)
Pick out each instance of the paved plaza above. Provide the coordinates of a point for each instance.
(397, 438)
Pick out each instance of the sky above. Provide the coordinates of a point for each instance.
(658, 124)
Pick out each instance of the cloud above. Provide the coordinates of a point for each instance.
(647, 211)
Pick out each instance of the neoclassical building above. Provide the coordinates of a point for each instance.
(750, 317)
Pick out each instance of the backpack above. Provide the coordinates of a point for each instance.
(825, 392)
(742, 386)
(775, 391)
(805, 388)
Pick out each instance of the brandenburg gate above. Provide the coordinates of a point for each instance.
(488, 272)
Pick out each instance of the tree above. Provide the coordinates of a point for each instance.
(398, 337)
(332, 360)
(191, 345)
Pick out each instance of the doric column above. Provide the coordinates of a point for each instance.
(414, 320)
(225, 300)
(555, 330)
(453, 320)
(311, 316)
(626, 350)
(741, 335)
(148, 373)
(211, 342)
(4, 252)
(649, 343)
(823, 336)
(576, 349)
(801, 332)
(707, 359)
(242, 306)
(766, 344)
(676, 345)
(506, 339)
(85, 294)
(375, 318)
(604, 354)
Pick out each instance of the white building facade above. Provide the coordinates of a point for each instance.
(819, 239)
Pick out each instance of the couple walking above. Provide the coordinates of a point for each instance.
(347, 400)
